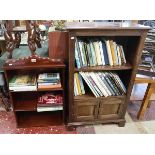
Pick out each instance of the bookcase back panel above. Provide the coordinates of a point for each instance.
(25, 101)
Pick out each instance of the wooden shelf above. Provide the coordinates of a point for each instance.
(92, 97)
(127, 66)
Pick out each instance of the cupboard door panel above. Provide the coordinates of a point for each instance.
(86, 110)
(110, 108)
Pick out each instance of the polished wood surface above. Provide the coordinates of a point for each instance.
(104, 25)
(58, 45)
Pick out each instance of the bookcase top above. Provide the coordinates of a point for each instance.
(104, 25)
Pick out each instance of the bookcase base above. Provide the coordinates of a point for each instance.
(72, 125)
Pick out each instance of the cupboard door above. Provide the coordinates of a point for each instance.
(85, 110)
(110, 107)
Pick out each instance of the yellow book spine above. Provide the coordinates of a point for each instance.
(113, 52)
(78, 84)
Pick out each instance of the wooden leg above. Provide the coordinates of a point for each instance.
(149, 91)
(121, 124)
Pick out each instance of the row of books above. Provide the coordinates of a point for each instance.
(32, 83)
(100, 83)
(50, 102)
(96, 52)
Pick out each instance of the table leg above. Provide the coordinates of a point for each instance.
(145, 103)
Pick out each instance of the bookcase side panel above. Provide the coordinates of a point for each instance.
(136, 61)
(71, 75)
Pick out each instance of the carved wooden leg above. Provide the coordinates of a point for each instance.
(149, 91)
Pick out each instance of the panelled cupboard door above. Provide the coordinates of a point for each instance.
(111, 107)
(85, 110)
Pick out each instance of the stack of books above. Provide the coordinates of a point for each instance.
(78, 85)
(103, 83)
(49, 81)
(98, 52)
(50, 102)
(23, 83)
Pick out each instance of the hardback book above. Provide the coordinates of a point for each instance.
(91, 63)
(94, 58)
(98, 53)
(50, 99)
(49, 76)
(23, 83)
(100, 84)
(56, 108)
(113, 52)
(101, 53)
(93, 83)
(78, 84)
(77, 57)
(106, 59)
(109, 53)
(51, 86)
(23, 80)
(89, 84)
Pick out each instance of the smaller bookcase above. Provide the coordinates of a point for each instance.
(25, 102)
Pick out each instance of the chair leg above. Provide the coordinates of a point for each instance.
(149, 91)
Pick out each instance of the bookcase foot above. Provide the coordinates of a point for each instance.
(70, 128)
(121, 124)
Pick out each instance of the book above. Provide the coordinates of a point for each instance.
(23, 80)
(112, 52)
(78, 84)
(48, 76)
(98, 53)
(89, 84)
(101, 53)
(106, 59)
(23, 83)
(56, 108)
(109, 53)
(94, 59)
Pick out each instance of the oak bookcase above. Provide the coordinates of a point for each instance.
(25, 102)
(86, 109)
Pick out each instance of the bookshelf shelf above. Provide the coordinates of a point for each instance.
(50, 89)
(87, 109)
(127, 66)
(25, 102)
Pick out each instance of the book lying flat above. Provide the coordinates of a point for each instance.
(23, 80)
(51, 108)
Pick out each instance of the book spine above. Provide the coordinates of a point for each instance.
(90, 55)
(89, 84)
(94, 84)
(77, 58)
(84, 54)
(109, 53)
(103, 86)
(101, 53)
(75, 87)
(78, 84)
(123, 54)
(116, 56)
(119, 56)
(81, 53)
(101, 75)
(93, 53)
(97, 51)
(81, 84)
